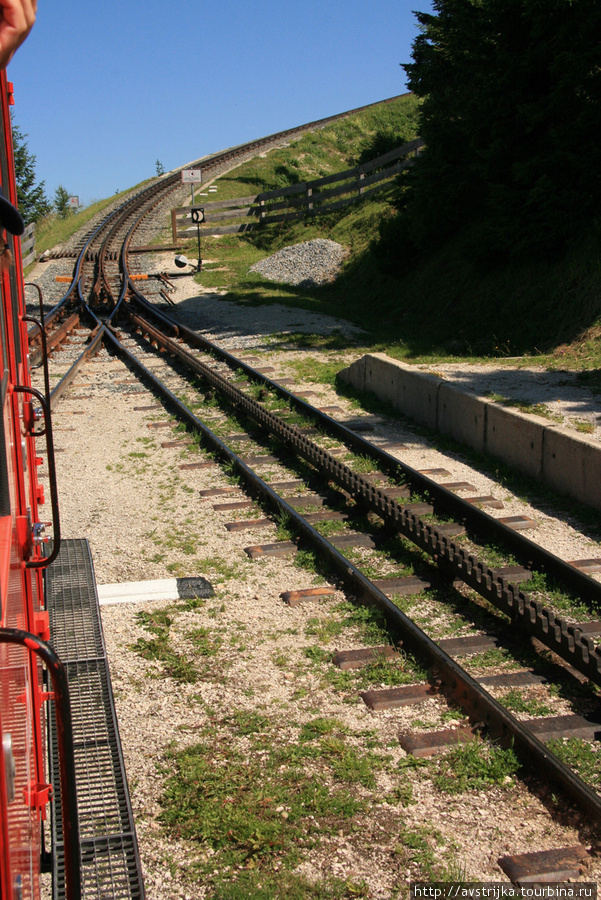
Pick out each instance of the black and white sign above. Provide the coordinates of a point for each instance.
(191, 176)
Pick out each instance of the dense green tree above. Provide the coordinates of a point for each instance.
(31, 194)
(511, 104)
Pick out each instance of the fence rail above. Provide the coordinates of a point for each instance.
(297, 200)
(28, 244)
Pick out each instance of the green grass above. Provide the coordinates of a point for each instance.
(284, 886)
(471, 315)
(534, 409)
(545, 588)
(253, 802)
(475, 766)
(222, 799)
(518, 702)
(338, 146)
(159, 647)
(581, 756)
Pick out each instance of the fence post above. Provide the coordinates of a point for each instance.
(309, 195)
(28, 245)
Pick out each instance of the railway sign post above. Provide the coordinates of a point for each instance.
(198, 216)
(191, 177)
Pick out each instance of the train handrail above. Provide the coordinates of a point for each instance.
(41, 324)
(64, 728)
(56, 525)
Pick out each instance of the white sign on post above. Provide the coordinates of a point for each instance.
(191, 176)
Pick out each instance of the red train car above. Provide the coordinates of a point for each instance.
(24, 688)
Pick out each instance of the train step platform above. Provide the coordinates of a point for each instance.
(109, 848)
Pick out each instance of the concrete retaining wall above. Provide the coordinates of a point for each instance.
(569, 462)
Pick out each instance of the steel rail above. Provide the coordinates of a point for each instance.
(111, 224)
(148, 200)
(529, 553)
(526, 613)
(457, 684)
(92, 348)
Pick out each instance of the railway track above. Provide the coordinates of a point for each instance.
(360, 510)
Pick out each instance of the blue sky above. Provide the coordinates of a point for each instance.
(104, 89)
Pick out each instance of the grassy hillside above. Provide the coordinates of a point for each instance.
(338, 146)
(445, 307)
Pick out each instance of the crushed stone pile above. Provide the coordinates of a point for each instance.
(307, 264)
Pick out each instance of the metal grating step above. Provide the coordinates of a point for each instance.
(109, 851)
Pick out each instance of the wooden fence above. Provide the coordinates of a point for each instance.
(28, 244)
(310, 198)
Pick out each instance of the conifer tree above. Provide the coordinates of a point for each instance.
(61, 202)
(33, 202)
(511, 104)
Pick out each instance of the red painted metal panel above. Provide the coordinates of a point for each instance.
(21, 597)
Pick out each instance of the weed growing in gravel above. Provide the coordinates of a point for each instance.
(219, 569)
(309, 561)
(318, 655)
(190, 604)
(496, 656)
(581, 756)
(583, 426)
(475, 766)
(361, 464)
(319, 727)
(543, 587)
(404, 670)
(422, 849)
(159, 647)
(324, 629)
(285, 529)
(317, 371)
(516, 701)
(536, 409)
(247, 722)
(368, 620)
(350, 765)
(251, 811)
(284, 886)
(329, 528)
(177, 569)
(205, 643)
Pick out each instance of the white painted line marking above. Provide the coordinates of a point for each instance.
(138, 591)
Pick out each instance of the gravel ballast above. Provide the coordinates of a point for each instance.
(306, 265)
